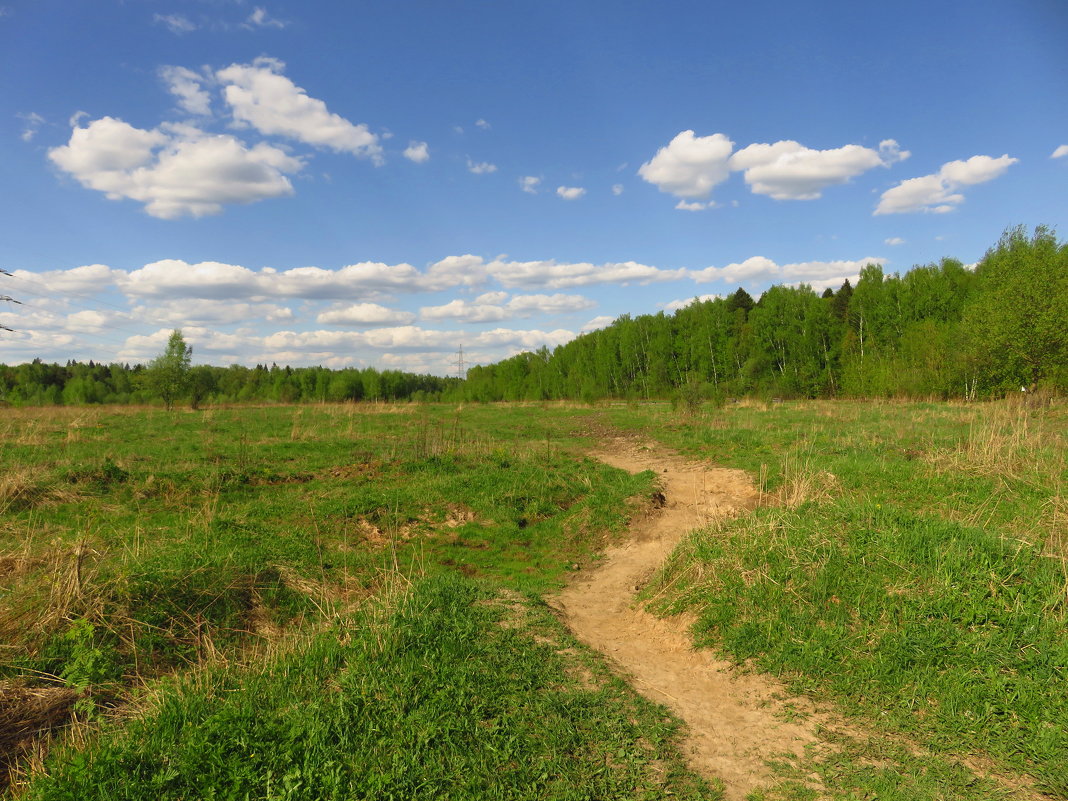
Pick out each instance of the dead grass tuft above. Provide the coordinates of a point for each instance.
(804, 483)
(27, 715)
(26, 487)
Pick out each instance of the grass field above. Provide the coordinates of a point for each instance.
(910, 564)
(346, 601)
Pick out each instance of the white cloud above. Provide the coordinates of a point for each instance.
(682, 303)
(759, 269)
(529, 184)
(820, 284)
(181, 313)
(176, 23)
(555, 275)
(788, 170)
(1060, 152)
(570, 192)
(175, 173)
(365, 314)
(176, 278)
(85, 280)
(481, 168)
(170, 278)
(617, 189)
(259, 18)
(417, 152)
(481, 123)
(597, 323)
(187, 86)
(259, 95)
(689, 166)
(31, 123)
(491, 307)
(894, 240)
(938, 193)
(462, 310)
(685, 205)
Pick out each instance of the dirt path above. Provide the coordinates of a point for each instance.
(735, 720)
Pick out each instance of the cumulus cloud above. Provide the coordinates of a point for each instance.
(85, 280)
(216, 280)
(365, 314)
(174, 170)
(491, 307)
(788, 170)
(529, 184)
(417, 152)
(939, 193)
(259, 95)
(188, 87)
(597, 323)
(689, 166)
(696, 205)
(556, 275)
(894, 240)
(1060, 152)
(617, 189)
(760, 268)
(481, 168)
(410, 338)
(481, 123)
(682, 303)
(180, 313)
(570, 192)
(175, 23)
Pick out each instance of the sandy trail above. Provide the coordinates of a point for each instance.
(732, 720)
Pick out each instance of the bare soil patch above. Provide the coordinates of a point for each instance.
(736, 721)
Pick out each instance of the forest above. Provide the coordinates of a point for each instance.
(939, 330)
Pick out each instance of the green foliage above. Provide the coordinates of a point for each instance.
(168, 373)
(1016, 321)
(938, 330)
(38, 384)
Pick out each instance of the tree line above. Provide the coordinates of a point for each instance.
(36, 383)
(940, 330)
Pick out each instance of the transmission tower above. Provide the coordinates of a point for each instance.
(460, 363)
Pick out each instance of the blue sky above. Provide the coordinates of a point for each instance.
(380, 183)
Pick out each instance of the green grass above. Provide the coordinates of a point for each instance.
(180, 534)
(451, 692)
(923, 585)
(137, 544)
(218, 588)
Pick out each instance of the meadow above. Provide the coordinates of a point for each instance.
(348, 601)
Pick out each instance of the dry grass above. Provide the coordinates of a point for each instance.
(27, 716)
(1005, 439)
(54, 586)
(802, 482)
